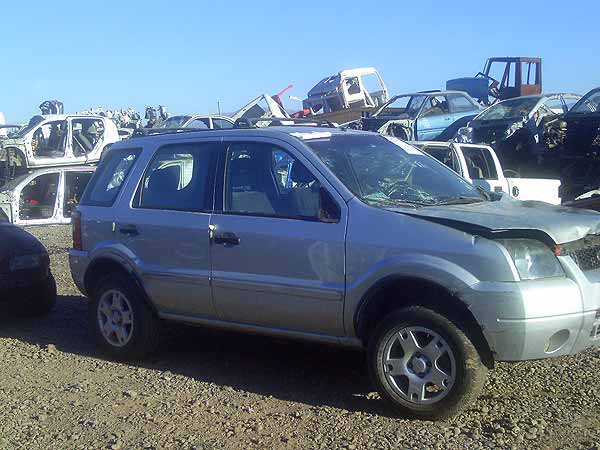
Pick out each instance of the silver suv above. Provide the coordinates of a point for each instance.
(341, 237)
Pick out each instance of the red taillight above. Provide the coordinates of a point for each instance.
(76, 225)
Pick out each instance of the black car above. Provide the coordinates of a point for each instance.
(27, 286)
(516, 129)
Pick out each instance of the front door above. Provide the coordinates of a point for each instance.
(166, 228)
(277, 242)
(482, 167)
(434, 118)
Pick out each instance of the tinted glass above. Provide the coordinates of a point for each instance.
(109, 177)
(263, 179)
(178, 178)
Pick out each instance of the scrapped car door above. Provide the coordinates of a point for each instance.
(277, 239)
(38, 198)
(435, 117)
(165, 227)
(481, 166)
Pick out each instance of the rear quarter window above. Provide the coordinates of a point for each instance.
(109, 177)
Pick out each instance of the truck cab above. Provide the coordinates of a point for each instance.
(479, 164)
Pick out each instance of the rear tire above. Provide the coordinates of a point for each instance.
(123, 324)
(411, 350)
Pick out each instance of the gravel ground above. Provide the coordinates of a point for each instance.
(213, 390)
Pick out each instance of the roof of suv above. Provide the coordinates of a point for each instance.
(272, 131)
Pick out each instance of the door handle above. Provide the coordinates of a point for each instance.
(129, 230)
(226, 238)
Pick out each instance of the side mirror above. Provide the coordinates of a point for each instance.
(329, 212)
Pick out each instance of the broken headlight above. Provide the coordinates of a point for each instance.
(532, 259)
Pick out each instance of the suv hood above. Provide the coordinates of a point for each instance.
(560, 224)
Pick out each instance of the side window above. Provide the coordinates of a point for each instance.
(480, 163)
(265, 180)
(201, 124)
(49, 140)
(75, 183)
(178, 178)
(221, 124)
(529, 73)
(445, 155)
(38, 198)
(109, 177)
(460, 103)
(85, 135)
(435, 106)
(553, 106)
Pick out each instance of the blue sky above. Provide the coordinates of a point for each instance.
(188, 55)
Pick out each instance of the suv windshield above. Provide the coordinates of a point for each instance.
(510, 109)
(384, 171)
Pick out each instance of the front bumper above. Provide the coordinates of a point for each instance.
(541, 318)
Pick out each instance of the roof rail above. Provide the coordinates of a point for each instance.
(283, 121)
(138, 132)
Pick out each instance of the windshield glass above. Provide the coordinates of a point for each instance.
(510, 109)
(174, 122)
(384, 171)
(403, 104)
(589, 103)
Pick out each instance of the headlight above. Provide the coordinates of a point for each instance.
(24, 262)
(532, 258)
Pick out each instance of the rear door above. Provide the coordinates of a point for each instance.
(278, 236)
(482, 167)
(166, 225)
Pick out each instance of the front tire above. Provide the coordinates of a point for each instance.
(123, 324)
(424, 364)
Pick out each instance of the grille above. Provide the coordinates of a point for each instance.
(585, 252)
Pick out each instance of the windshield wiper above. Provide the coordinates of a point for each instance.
(461, 200)
(393, 203)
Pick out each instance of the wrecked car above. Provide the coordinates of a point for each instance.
(515, 129)
(44, 196)
(350, 89)
(201, 122)
(479, 165)
(263, 106)
(575, 137)
(421, 116)
(56, 140)
(392, 251)
(27, 287)
(502, 78)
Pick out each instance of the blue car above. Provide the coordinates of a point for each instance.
(421, 116)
